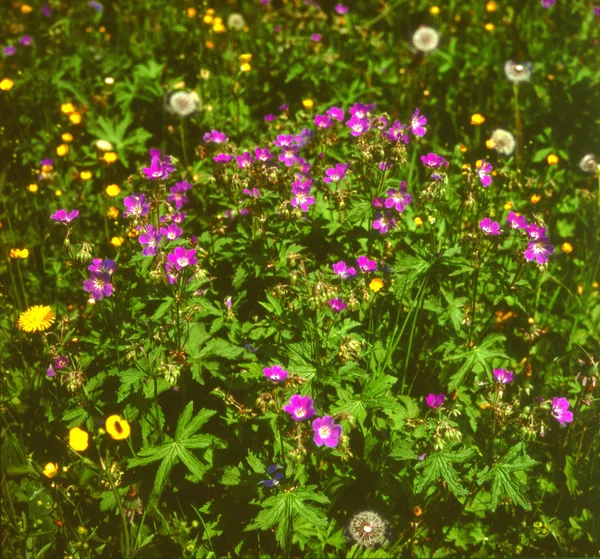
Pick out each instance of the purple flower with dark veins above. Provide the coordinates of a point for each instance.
(245, 160)
(360, 110)
(300, 407)
(172, 232)
(560, 410)
(358, 126)
(398, 199)
(106, 266)
(433, 161)
(417, 124)
(343, 271)
(289, 156)
(275, 373)
(323, 121)
(366, 265)
(98, 285)
(301, 190)
(150, 240)
(383, 222)
(254, 193)
(337, 173)
(177, 194)
(397, 132)
(335, 113)
(284, 141)
(535, 232)
(516, 221)
(61, 362)
(25, 40)
(65, 217)
(337, 305)
(136, 206)
(222, 158)
(181, 258)
(326, 432)
(215, 137)
(160, 166)
(263, 154)
(503, 376)
(539, 250)
(434, 401)
(489, 227)
(341, 9)
(484, 171)
(277, 476)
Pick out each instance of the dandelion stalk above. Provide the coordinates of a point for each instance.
(183, 149)
(519, 129)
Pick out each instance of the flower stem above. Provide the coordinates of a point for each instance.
(182, 136)
(120, 507)
(519, 129)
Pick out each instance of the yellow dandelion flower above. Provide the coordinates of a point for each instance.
(117, 427)
(490, 6)
(208, 19)
(117, 241)
(376, 285)
(567, 247)
(191, 12)
(112, 213)
(26, 9)
(535, 198)
(75, 118)
(32, 187)
(113, 190)
(50, 469)
(19, 253)
(246, 57)
(85, 175)
(308, 103)
(38, 317)
(66, 137)
(218, 26)
(110, 157)
(6, 84)
(245, 67)
(418, 222)
(62, 150)
(508, 205)
(67, 108)
(552, 159)
(477, 119)
(78, 439)
(489, 26)
(434, 10)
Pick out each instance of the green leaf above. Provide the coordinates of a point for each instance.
(439, 466)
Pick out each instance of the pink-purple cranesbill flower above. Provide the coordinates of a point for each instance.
(215, 137)
(47, 162)
(335, 113)
(503, 376)
(263, 154)
(326, 431)
(398, 199)
(171, 271)
(337, 304)
(417, 124)
(244, 160)
(136, 206)
(222, 158)
(434, 401)
(181, 258)
(98, 285)
(61, 362)
(172, 232)
(337, 173)
(160, 166)
(343, 271)
(539, 251)
(95, 5)
(177, 194)
(284, 140)
(597, 11)
(489, 227)
(548, 3)
(50, 371)
(150, 240)
(300, 407)
(315, 37)
(484, 173)
(25, 40)
(341, 9)
(305, 136)
(9, 50)
(560, 410)
(433, 161)
(366, 265)
(516, 221)
(358, 126)
(360, 110)
(323, 121)
(289, 156)
(275, 373)
(397, 133)
(46, 9)
(378, 202)
(535, 232)
(103, 266)
(270, 118)
(63, 216)
(254, 193)
(383, 222)
(300, 190)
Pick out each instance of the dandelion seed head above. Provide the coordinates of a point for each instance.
(426, 39)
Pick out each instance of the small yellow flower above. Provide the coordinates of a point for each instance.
(62, 150)
(418, 222)
(595, 285)
(490, 144)
(38, 317)
(6, 84)
(567, 247)
(117, 241)
(580, 289)
(26, 9)
(78, 439)
(19, 253)
(245, 67)
(117, 427)
(477, 119)
(490, 6)
(110, 157)
(208, 19)
(112, 213)
(535, 198)
(218, 26)
(32, 187)
(552, 159)
(50, 469)
(246, 57)
(191, 12)
(58, 192)
(489, 26)
(376, 285)
(462, 148)
(66, 137)
(75, 118)
(113, 190)
(67, 108)
(308, 103)
(85, 175)
(210, 11)
(550, 77)
(209, 45)
(508, 205)
(434, 10)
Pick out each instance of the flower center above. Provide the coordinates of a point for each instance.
(300, 412)
(324, 432)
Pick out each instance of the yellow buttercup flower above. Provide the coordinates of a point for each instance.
(462, 148)
(490, 144)
(567, 247)
(508, 205)
(191, 12)
(50, 469)
(113, 190)
(117, 241)
(112, 213)
(38, 317)
(489, 27)
(535, 198)
(58, 192)
(32, 187)
(110, 157)
(78, 439)
(6, 84)
(26, 9)
(246, 57)
(62, 150)
(218, 26)
(308, 103)
(75, 118)
(19, 253)
(66, 137)
(208, 19)
(477, 119)
(434, 10)
(418, 222)
(85, 175)
(117, 427)
(490, 6)
(552, 159)
(376, 285)
(580, 289)
(245, 67)
(67, 108)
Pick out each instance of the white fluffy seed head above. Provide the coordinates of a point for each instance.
(236, 21)
(367, 529)
(183, 103)
(504, 141)
(517, 72)
(426, 39)
(589, 163)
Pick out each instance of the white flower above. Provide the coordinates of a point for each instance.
(426, 39)
(104, 145)
(589, 163)
(183, 103)
(518, 73)
(367, 529)
(504, 141)
(236, 21)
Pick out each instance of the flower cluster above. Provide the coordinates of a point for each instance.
(326, 431)
(99, 285)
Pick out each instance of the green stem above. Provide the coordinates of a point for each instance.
(120, 506)
(519, 129)
(22, 283)
(182, 136)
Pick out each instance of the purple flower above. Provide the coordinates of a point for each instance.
(358, 126)
(25, 40)
(263, 154)
(326, 432)
(244, 160)
(503, 376)
(98, 285)
(106, 266)
(215, 137)
(64, 217)
(61, 362)
(344, 272)
(335, 113)
(300, 190)
(276, 373)
(337, 173)
(9, 50)
(378, 203)
(95, 5)
(560, 410)
(548, 3)
(270, 118)
(434, 401)
(284, 141)
(160, 166)
(397, 133)
(360, 110)
(484, 173)
(539, 251)
(171, 272)
(489, 227)
(254, 193)
(289, 156)
(284, 107)
(516, 221)
(597, 10)
(46, 9)
(337, 304)
(150, 239)
(366, 265)
(300, 407)
(341, 9)
(398, 199)
(417, 124)
(316, 37)
(181, 257)
(222, 158)
(277, 476)
(47, 162)
(535, 232)
(50, 372)
(433, 161)
(136, 206)
(304, 137)
(383, 222)
(323, 121)
(177, 195)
